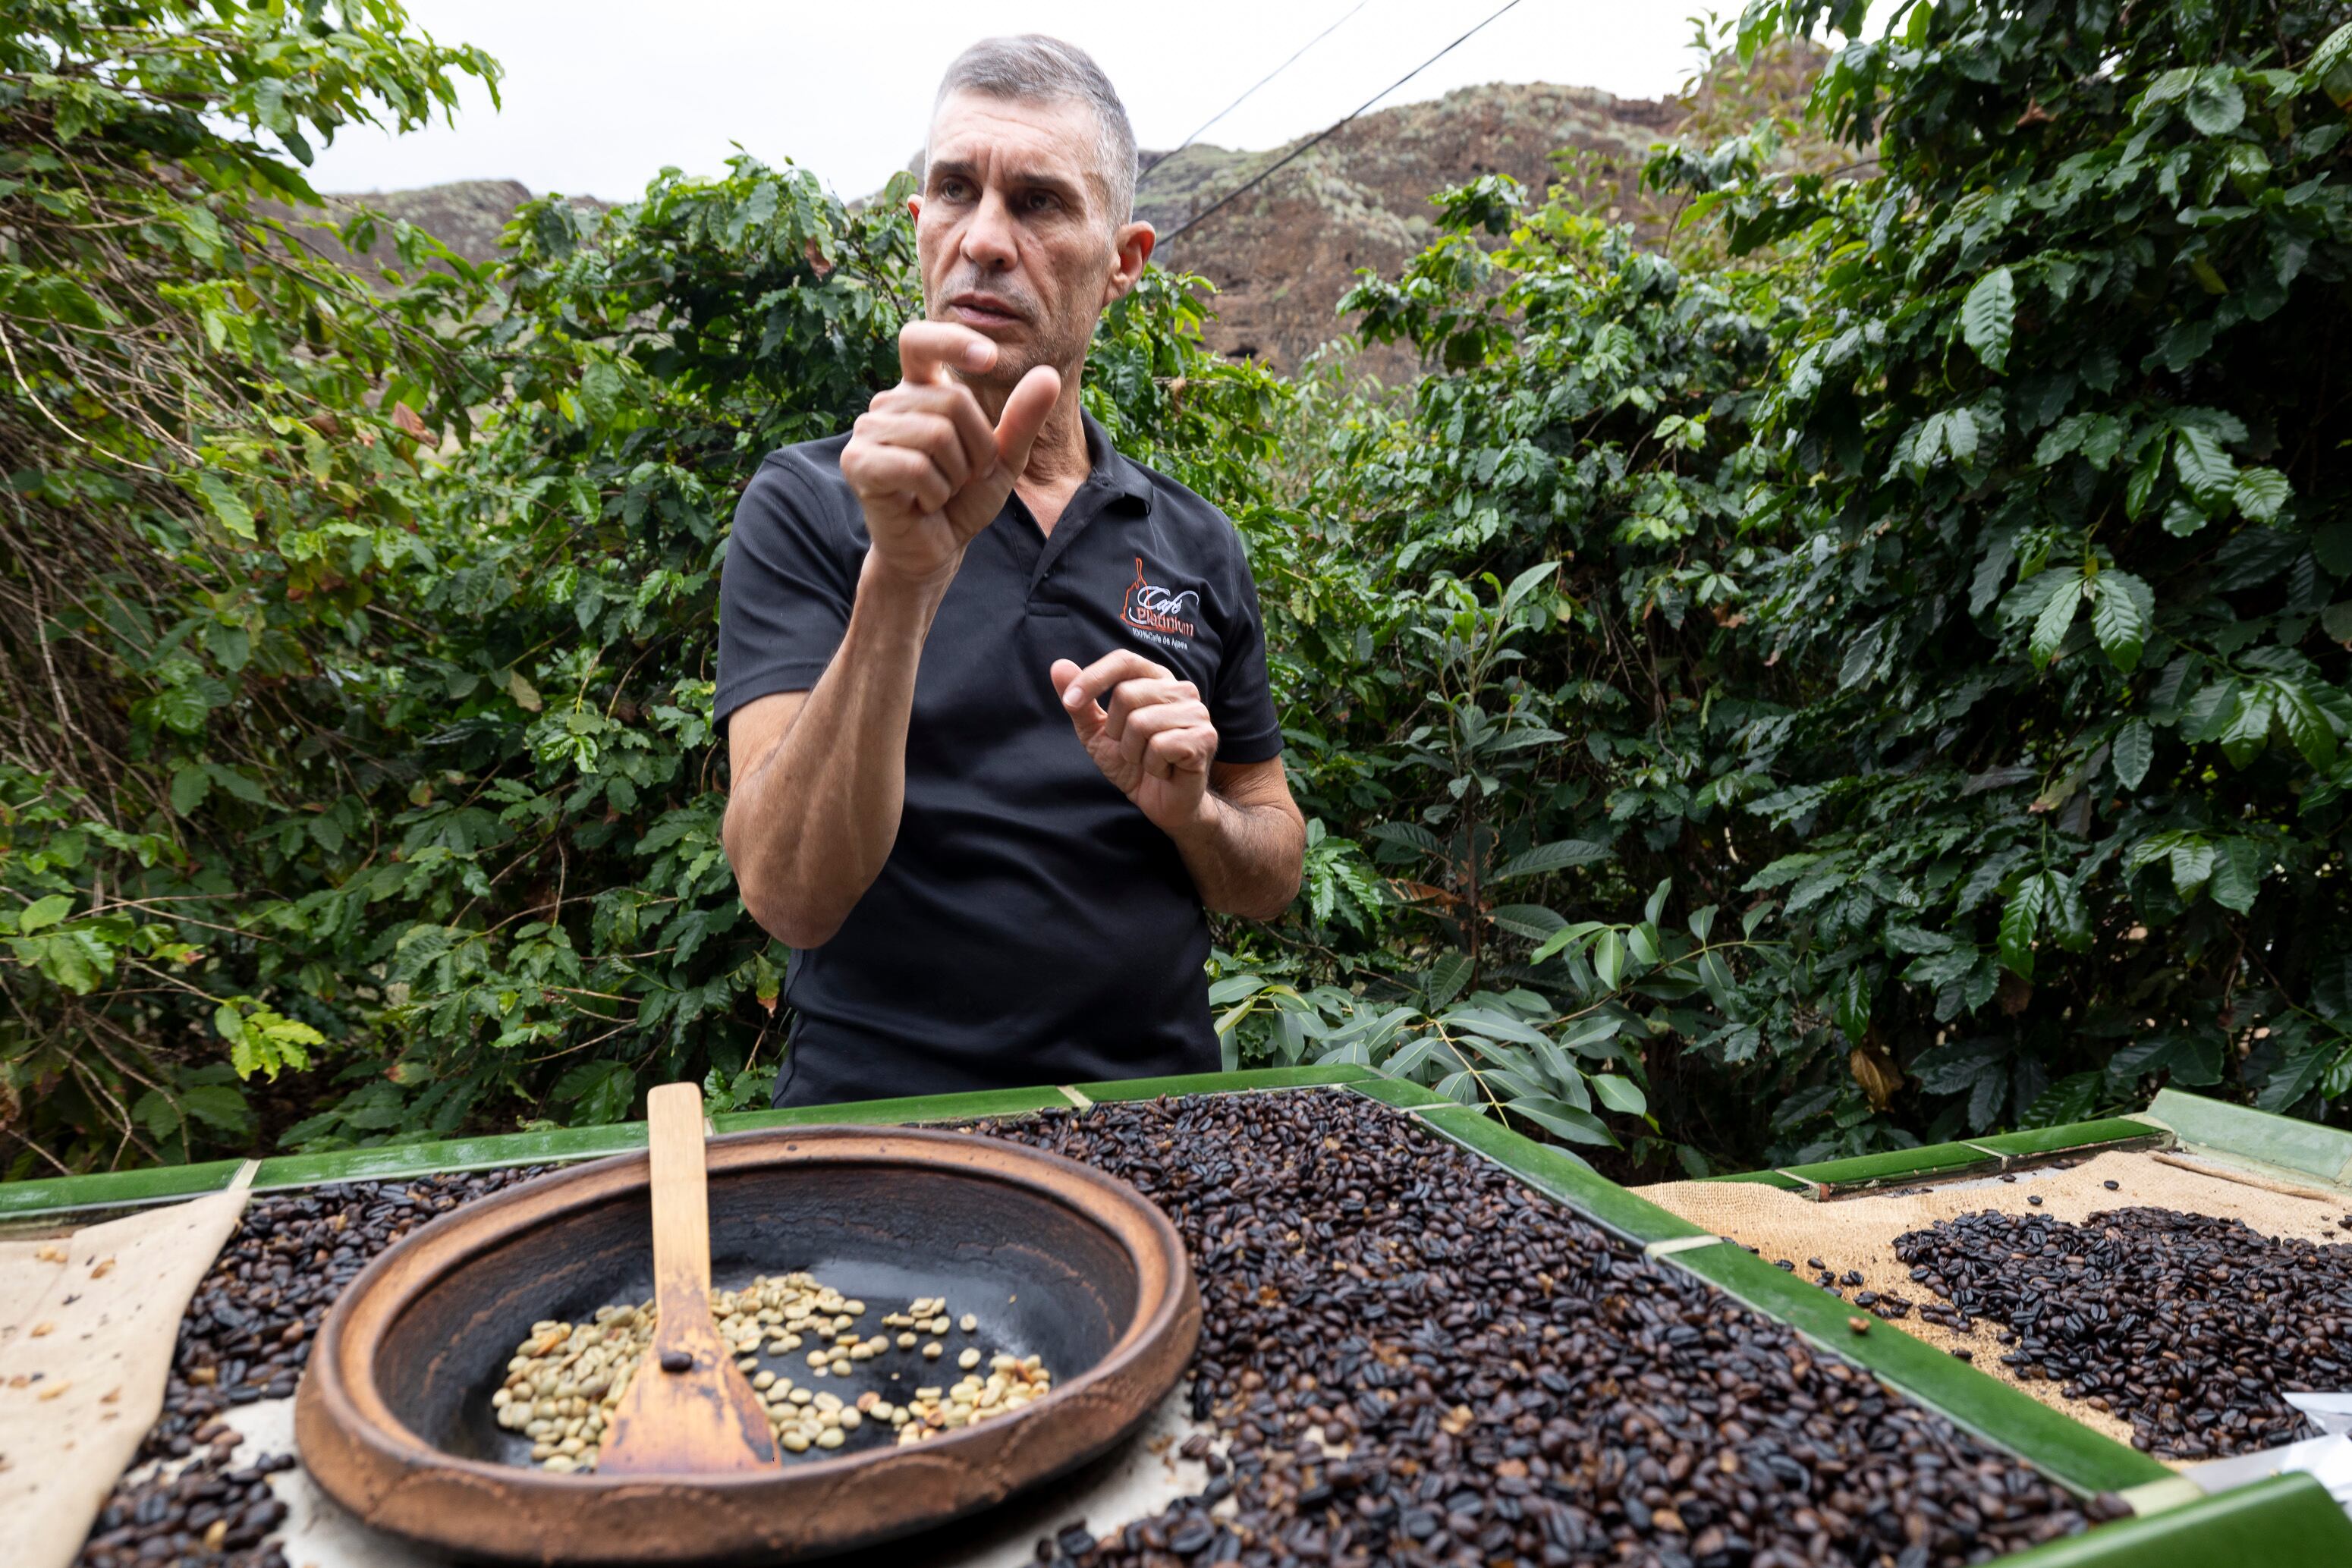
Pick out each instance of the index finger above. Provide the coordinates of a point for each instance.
(1120, 665)
(926, 348)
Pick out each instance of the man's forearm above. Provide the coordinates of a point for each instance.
(1245, 858)
(810, 827)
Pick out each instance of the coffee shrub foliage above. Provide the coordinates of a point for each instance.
(1858, 658)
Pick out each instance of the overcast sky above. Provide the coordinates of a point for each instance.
(600, 94)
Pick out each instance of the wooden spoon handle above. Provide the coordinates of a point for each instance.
(681, 1204)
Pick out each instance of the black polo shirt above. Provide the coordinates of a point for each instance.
(1031, 925)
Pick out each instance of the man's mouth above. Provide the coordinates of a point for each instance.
(982, 310)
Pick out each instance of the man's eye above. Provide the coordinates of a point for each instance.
(1043, 200)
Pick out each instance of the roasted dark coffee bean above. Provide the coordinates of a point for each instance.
(2192, 1328)
(1511, 1386)
(2112, 1185)
(2034, 1199)
(247, 1331)
(245, 1337)
(204, 1515)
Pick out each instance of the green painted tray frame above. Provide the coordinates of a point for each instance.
(2292, 1519)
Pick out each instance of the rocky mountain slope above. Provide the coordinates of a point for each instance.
(1282, 255)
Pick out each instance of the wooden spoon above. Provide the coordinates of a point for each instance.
(689, 1409)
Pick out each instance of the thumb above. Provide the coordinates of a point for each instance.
(1086, 718)
(1024, 415)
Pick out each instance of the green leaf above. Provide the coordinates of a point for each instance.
(1987, 317)
(227, 505)
(2192, 864)
(2306, 724)
(219, 1106)
(1562, 1120)
(2073, 1098)
(190, 784)
(2122, 608)
(1532, 921)
(2057, 614)
(1609, 958)
(2133, 747)
(1551, 857)
(181, 708)
(2193, 1060)
(2336, 50)
(2261, 492)
(1444, 980)
(2146, 471)
(600, 1093)
(2181, 517)
(45, 911)
(2204, 464)
(1491, 1025)
(2020, 921)
(600, 390)
(2250, 732)
(1958, 1067)
(1565, 938)
(1621, 1094)
(1233, 988)
(2214, 104)
(233, 782)
(2305, 1066)
(2238, 864)
(1959, 434)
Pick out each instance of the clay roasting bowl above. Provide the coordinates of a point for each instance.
(393, 1419)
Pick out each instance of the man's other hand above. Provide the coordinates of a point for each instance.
(1148, 732)
(926, 465)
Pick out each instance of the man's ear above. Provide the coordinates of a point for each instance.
(915, 208)
(1131, 247)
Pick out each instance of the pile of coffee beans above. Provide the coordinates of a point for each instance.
(565, 1381)
(1412, 1361)
(2189, 1327)
(203, 1516)
(246, 1337)
(246, 1333)
(1407, 1357)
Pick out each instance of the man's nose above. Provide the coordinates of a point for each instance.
(988, 239)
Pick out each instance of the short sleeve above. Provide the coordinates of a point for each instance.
(784, 591)
(1242, 706)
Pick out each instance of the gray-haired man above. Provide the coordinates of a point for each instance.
(995, 695)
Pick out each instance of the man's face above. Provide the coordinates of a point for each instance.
(1012, 231)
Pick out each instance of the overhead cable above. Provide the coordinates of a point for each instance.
(1245, 97)
(1263, 174)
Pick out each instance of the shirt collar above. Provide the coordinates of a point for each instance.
(1109, 468)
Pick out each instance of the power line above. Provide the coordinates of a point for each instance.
(1262, 175)
(1245, 97)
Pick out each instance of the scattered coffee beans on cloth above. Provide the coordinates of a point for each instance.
(246, 1337)
(1413, 1361)
(206, 1514)
(247, 1334)
(1407, 1357)
(2190, 1328)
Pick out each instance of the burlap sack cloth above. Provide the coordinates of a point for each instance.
(1858, 1233)
(88, 1322)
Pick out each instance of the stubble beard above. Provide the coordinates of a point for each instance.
(1047, 341)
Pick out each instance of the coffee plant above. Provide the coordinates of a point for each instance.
(1867, 666)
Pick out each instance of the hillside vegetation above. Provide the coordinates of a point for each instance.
(1866, 664)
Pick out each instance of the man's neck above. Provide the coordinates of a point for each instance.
(1059, 462)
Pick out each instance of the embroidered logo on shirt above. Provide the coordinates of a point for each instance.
(1149, 608)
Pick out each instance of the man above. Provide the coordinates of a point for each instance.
(994, 696)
